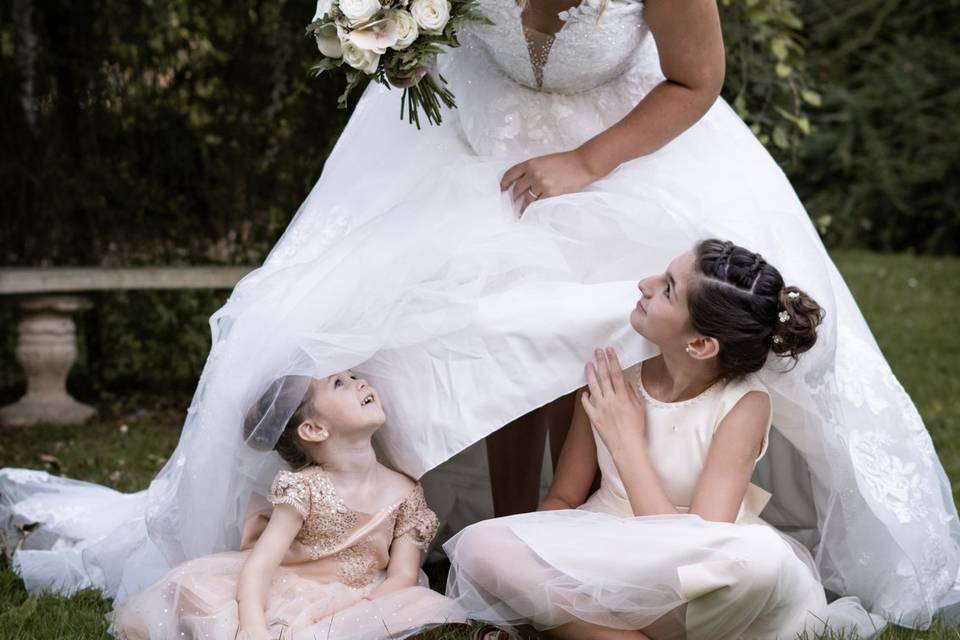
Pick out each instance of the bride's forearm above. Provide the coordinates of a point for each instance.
(666, 112)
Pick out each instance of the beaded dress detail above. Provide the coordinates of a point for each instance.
(338, 556)
(520, 90)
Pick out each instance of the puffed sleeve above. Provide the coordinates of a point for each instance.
(415, 520)
(291, 488)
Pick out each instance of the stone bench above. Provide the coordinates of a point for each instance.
(48, 298)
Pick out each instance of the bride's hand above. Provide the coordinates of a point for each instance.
(613, 405)
(547, 176)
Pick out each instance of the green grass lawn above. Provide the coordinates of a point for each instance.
(911, 303)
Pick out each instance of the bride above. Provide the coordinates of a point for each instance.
(409, 263)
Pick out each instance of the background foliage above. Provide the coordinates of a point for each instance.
(883, 161)
(171, 131)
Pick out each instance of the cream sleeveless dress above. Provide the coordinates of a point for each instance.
(600, 564)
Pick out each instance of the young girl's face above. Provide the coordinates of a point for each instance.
(347, 403)
(661, 314)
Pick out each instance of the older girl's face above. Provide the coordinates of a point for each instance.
(347, 403)
(661, 314)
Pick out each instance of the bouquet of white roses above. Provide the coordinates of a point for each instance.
(396, 42)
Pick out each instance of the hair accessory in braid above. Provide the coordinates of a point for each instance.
(748, 311)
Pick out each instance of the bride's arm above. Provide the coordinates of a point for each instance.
(576, 467)
(690, 44)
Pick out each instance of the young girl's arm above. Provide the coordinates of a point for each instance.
(576, 467)
(258, 570)
(733, 453)
(403, 568)
(617, 413)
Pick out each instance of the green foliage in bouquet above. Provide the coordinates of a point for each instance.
(412, 67)
(767, 82)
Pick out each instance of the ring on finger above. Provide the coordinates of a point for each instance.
(533, 195)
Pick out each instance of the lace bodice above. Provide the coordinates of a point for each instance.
(354, 545)
(523, 93)
(595, 44)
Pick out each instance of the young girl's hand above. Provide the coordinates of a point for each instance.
(613, 406)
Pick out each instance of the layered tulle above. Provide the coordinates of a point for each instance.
(198, 599)
(678, 574)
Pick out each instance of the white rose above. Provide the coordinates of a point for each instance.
(358, 11)
(431, 15)
(376, 36)
(360, 59)
(323, 9)
(407, 30)
(328, 41)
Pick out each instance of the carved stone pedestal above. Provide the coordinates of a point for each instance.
(46, 349)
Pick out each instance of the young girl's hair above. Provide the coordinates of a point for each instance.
(740, 299)
(288, 445)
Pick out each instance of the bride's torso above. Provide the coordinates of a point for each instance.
(523, 92)
(594, 45)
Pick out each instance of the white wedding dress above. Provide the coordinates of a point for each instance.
(407, 264)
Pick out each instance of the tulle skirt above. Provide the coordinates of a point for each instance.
(198, 600)
(674, 575)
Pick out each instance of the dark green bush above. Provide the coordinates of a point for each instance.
(766, 78)
(882, 166)
(148, 132)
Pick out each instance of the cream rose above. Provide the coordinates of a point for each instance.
(376, 36)
(431, 15)
(407, 30)
(357, 11)
(328, 41)
(360, 59)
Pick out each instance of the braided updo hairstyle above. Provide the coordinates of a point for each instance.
(740, 300)
(288, 444)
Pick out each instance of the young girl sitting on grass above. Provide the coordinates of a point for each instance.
(340, 555)
(672, 544)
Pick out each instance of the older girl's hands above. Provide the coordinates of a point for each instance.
(546, 176)
(613, 406)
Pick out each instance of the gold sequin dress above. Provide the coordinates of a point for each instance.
(339, 556)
